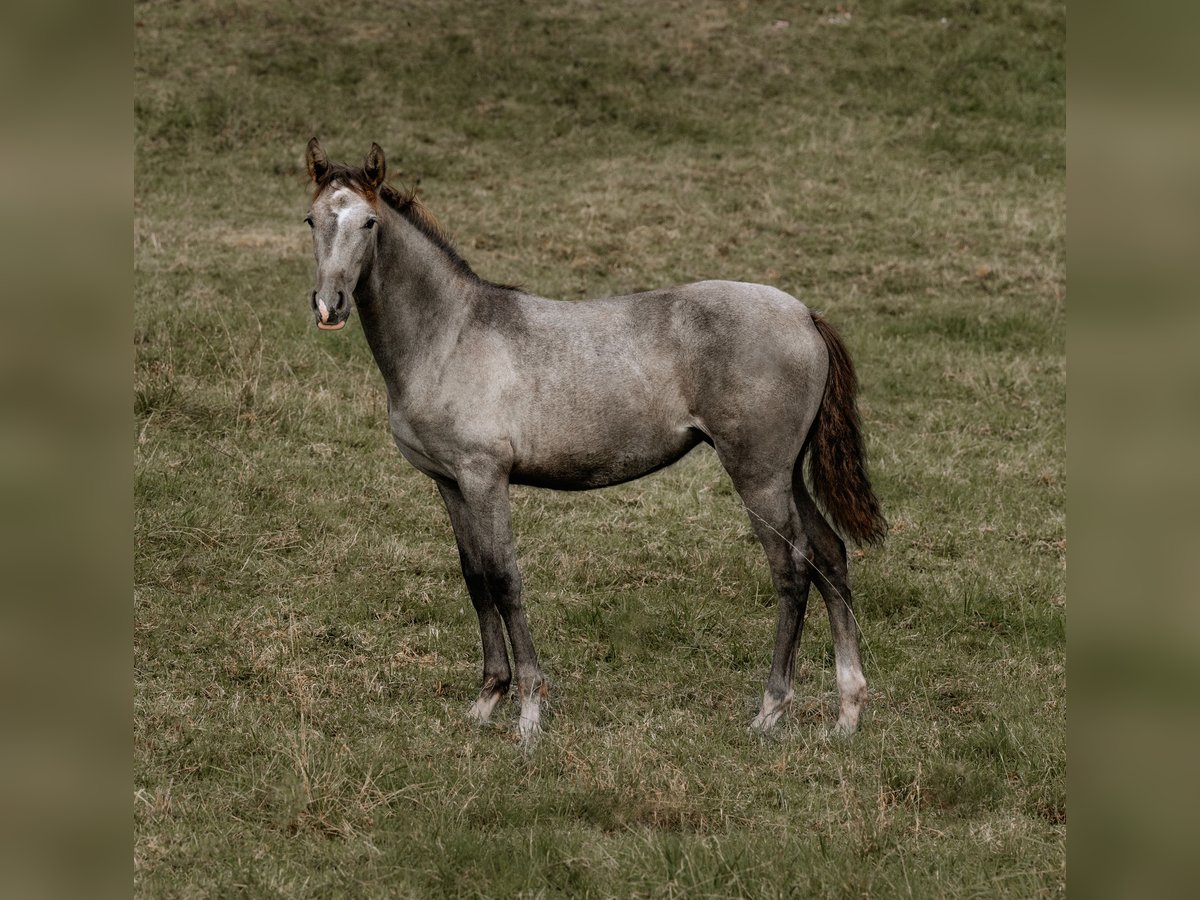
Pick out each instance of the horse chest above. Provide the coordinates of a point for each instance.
(411, 447)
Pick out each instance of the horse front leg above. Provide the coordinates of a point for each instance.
(497, 676)
(489, 538)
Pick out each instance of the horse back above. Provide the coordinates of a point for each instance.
(601, 391)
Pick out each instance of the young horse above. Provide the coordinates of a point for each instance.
(489, 386)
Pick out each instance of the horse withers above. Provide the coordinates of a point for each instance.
(489, 385)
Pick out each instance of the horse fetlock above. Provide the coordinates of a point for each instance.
(533, 687)
(497, 684)
(852, 691)
(495, 688)
(852, 685)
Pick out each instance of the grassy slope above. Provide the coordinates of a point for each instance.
(305, 651)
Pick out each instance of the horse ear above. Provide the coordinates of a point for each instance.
(318, 162)
(375, 167)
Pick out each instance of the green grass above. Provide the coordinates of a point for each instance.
(304, 648)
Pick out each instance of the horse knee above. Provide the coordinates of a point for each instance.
(504, 585)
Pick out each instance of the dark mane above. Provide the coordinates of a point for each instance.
(408, 204)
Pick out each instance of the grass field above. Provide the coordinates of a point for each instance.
(305, 651)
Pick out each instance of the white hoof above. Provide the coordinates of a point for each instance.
(770, 712)
(529, 726)
(481, 709)
(764, 723)
(847, 722)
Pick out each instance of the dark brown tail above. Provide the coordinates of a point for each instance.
(837, 461)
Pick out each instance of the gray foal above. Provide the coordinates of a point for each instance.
(489, 385)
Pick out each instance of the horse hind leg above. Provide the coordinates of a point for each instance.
(778, 527)
(831, 578)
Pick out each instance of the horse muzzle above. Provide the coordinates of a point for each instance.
(331, 310)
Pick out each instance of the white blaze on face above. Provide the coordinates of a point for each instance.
(348, 205)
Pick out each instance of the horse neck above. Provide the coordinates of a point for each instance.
(412, 302)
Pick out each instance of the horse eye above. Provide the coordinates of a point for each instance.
(308, 221)
(370, 223)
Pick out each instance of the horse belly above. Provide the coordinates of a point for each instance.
(598, 459)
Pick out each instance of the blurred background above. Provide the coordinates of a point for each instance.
(1134, 380)
(65, 473)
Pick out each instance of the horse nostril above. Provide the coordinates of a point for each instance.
(341, 303)
(314, 300)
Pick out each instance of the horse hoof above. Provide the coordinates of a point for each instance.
(845, 729)
(481, 709)
(530, 733)
(764, 722)
(770, 711)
